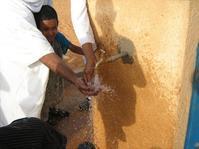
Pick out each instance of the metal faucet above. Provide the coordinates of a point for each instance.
(111, 58)
(103, 60)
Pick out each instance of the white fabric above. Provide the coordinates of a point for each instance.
(23, 78)
(33, 5)
(81, 23)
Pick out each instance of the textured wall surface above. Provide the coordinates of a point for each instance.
(149, 99)
(192, 39)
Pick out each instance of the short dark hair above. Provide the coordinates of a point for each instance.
(46, 13)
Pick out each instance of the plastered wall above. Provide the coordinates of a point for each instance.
(150, 102)
(147, 107)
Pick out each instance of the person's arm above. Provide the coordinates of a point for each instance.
(59, 67)
(76, 49)
(86, 50)
(84, 33)
(90, 61)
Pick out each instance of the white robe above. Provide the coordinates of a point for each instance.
(81, 23)
(23, 78)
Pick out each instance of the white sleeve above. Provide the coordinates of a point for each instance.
(81, 23)
(20, 39)
(35, 47)
(33, 5)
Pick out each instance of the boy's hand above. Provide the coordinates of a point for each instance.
(84, 88)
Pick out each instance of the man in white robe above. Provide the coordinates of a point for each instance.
(84, 33)
(25, 56)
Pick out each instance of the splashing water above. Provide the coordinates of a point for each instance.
(96, 84)
(82, 123)
(103, 88)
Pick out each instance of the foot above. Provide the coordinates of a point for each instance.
(86, 145)
(85, 105)
(55, 115)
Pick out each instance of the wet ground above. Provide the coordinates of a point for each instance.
(78, 126)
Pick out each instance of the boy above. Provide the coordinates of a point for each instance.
(47, 23)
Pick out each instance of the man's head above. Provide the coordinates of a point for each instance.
(47, 22)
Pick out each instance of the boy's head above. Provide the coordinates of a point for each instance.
(47, 22)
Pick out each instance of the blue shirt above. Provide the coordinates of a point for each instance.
(63, 41)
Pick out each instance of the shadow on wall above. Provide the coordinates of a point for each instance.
(118, 108)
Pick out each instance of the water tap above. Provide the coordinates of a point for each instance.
(102, 53)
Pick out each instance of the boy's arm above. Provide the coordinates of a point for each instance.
(86, 50)
(76, 49)
(66, 44)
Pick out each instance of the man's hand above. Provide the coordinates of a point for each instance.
(90, 62)
(89, 71)
(85, 89)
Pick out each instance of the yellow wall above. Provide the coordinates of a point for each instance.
(149, 105)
